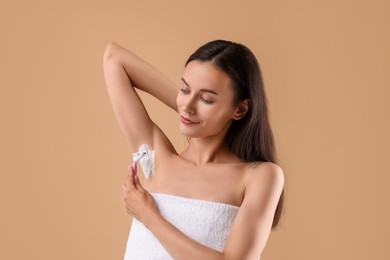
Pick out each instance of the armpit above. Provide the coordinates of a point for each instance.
(145, 156)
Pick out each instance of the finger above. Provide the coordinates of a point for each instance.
(130, 182)
(137, 183)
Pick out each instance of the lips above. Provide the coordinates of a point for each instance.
(187, 121)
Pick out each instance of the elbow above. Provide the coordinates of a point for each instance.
(110, 51)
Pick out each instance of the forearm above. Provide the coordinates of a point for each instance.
(177, 243)
(142, 75)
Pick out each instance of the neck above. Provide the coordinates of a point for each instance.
(201, 151)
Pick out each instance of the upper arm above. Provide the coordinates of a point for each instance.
(253, 222)
(123, 71)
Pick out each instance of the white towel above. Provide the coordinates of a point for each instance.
(206, 222)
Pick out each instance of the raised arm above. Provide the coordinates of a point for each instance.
(123, 72)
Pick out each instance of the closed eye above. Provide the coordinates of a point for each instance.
(207, 101)
(185, 91)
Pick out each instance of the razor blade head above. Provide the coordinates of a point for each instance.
(138, 155)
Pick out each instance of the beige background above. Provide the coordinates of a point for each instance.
(63, 157)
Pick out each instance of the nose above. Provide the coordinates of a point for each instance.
(189, 106)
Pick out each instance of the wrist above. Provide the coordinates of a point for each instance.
(151, 219)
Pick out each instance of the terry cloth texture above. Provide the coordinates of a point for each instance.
(204, 221)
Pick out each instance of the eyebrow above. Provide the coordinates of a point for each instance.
(202, 90)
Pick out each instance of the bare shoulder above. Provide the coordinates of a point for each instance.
(264, 177)
(264, 171)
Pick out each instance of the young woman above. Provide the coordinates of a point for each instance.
(220, 197)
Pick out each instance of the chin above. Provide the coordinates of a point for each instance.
(189, 133)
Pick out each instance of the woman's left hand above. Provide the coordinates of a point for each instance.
(138, 201)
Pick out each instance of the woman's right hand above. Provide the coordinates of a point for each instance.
(139, 203)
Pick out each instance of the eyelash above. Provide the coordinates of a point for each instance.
(186, 92)
(208, 102)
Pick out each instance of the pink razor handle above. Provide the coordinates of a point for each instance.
(134, 167)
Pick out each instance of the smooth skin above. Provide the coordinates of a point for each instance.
(205, 169)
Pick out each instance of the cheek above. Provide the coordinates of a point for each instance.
(179, 100)
(218, 115)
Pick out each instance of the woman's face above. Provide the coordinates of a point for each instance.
(205, 100)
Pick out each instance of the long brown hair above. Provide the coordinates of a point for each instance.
(251, 137)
